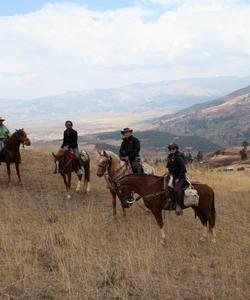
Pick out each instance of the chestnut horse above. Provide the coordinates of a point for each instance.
(11, 153)
(65, 162)
(156, 198)
(113, 168)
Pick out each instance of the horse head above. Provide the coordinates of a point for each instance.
(60, 159)
(104, 163)
(22, 137)
(124, 193)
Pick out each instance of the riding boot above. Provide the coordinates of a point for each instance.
(78, 167)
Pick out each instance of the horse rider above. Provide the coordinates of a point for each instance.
(4, 135)
(177, 171)
(70, 138)
(130, 149)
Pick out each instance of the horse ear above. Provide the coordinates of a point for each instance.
(99, 152)
(16, 129)
(105, 153)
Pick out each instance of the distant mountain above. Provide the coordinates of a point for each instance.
(225, 121)
(153, 99)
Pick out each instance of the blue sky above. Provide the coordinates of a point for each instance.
(12, 7)
(57, 46)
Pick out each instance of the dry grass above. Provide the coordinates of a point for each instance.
(54, 248)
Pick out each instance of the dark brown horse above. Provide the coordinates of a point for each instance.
(65, 163)
(156, 198)
(12, 151)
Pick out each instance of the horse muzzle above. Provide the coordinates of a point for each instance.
(27, 142)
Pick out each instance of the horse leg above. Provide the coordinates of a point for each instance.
(113, 202)
(87, 177)
(78, 187)
(204, 234)
(18, 172)
(69, 181)
(66, 185)
(8, 171)
(158, 216)
(211, 229)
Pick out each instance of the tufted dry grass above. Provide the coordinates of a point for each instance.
(54, 248)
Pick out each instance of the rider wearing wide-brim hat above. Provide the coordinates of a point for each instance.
(4, 134)
(130, 150)
(177, 171)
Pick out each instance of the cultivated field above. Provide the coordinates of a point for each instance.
(55, 248)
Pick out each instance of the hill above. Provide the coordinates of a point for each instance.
(229, 157)
(137, 102)
(224, 121)
(151, 141)
(58, 249)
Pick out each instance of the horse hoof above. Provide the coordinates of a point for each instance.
(202, 239)
(163, 242)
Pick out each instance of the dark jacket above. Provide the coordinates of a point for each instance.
(130, 147)
(176, 166)
(70, 139)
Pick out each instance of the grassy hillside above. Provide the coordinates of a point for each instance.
(225, 121)
(54, 248)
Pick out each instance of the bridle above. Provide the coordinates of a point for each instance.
(105, 168)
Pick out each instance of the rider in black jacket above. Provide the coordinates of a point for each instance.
(130, 149)
(70, 138)
(177, 169)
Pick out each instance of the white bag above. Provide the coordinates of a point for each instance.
(191, 197)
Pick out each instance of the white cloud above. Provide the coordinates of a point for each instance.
(65, 47)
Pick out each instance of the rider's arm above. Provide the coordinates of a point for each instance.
(136, 149)
(73, 144)
(7, 132)
(181, 167)
(63, 144)
(122, 151)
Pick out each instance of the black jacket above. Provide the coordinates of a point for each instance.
(176, 166)
(70, 139)
(130, 147)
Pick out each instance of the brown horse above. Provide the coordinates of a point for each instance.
(65, 162)
(113, 168)
(12, 151)
(156, 198)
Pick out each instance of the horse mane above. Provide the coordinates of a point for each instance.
(110, 153)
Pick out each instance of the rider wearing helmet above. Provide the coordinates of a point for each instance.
(177, 171)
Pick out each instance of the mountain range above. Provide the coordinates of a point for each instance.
(224, 121)
(151, 99)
